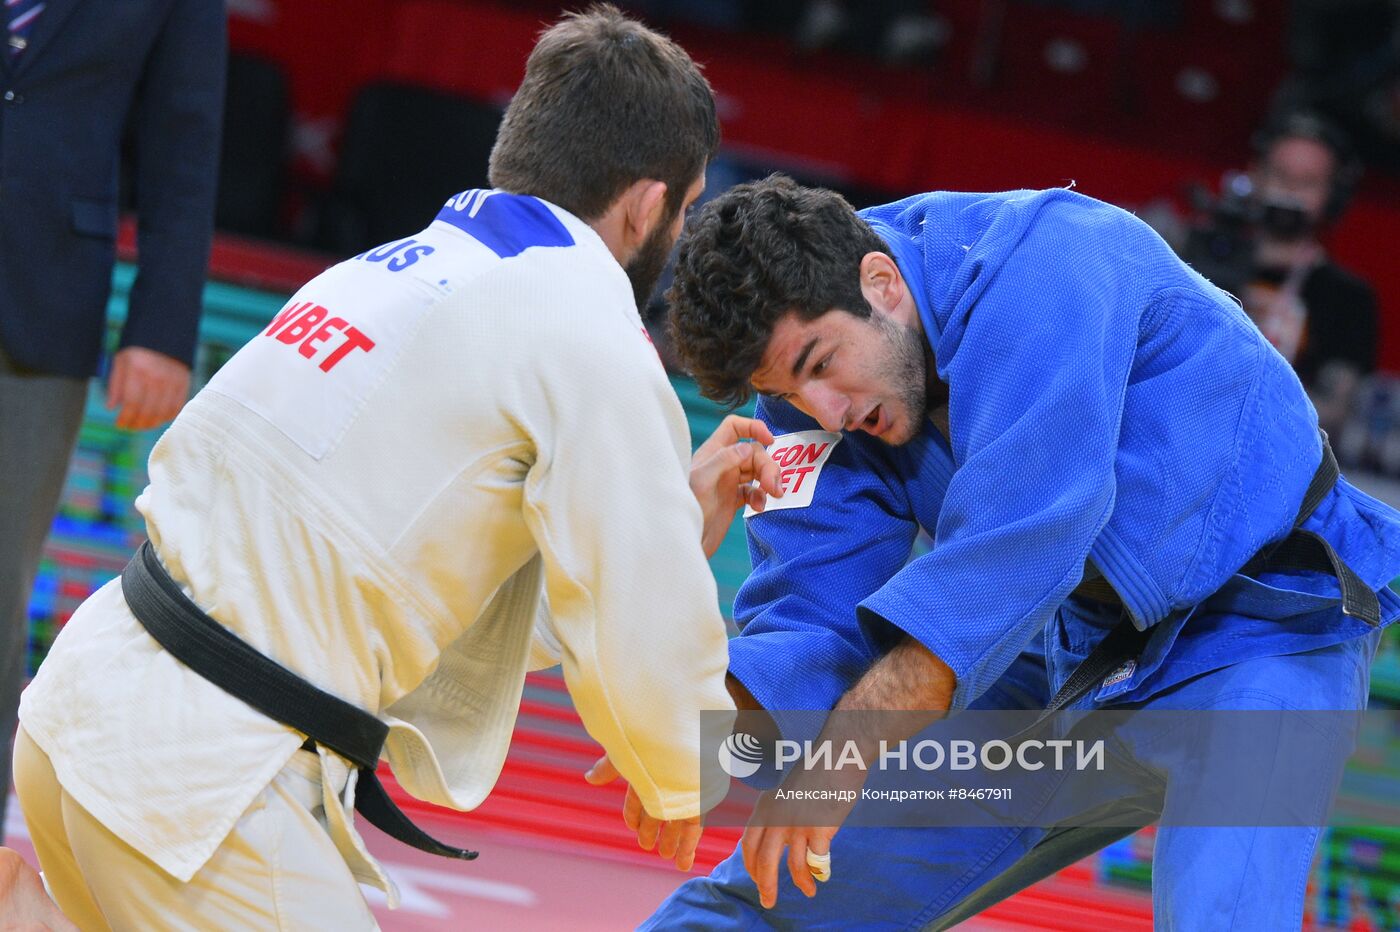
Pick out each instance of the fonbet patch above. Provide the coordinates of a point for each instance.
(800, 457)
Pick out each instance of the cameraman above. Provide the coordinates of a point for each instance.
(1261, 242)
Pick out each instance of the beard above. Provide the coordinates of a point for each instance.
(645, 268)
(905, 370)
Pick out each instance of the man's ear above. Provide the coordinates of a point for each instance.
(646, 208)
(881, 283)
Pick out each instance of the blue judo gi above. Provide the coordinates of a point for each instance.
(1108, 409)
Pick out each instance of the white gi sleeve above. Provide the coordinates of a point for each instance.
(631, 596)
(545, 650)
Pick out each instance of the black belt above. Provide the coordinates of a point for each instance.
(217, 654)
(1300, 549)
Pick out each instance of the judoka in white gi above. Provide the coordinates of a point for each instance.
(447, 460)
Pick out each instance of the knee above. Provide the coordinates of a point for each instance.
(23, 901)
(12, 868)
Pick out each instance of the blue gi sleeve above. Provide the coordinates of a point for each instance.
(1036, 353)
(801, 645)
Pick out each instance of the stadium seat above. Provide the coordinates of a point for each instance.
(257, 126)
(406, 149)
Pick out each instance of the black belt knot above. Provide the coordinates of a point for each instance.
(218, 655)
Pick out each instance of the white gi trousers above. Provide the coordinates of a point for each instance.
(278, 868)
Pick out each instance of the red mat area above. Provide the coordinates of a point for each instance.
(542, 799)
(530, 882)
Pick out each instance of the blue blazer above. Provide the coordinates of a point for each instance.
(91, 68)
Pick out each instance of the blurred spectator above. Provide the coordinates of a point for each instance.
(1346, 64)
(1260, 240)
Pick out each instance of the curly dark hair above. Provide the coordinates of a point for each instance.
(752, 255)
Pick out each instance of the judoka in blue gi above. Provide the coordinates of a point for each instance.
(1091, 434)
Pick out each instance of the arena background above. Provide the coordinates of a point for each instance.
(350, 121)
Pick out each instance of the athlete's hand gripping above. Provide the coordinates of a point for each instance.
(730, 470)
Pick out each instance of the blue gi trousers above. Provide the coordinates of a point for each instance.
(1203, 878)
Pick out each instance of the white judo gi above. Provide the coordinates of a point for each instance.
(377, 492)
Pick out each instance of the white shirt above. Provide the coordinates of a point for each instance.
(376, 492)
